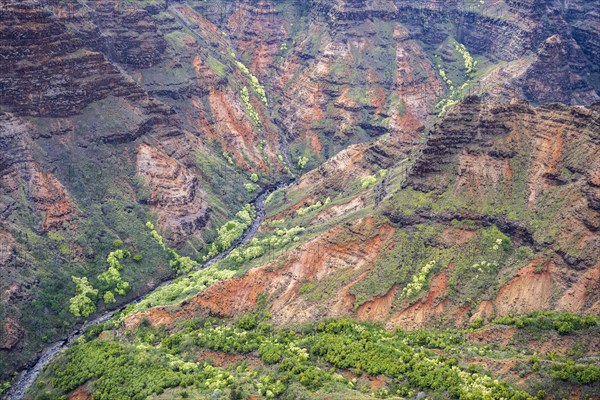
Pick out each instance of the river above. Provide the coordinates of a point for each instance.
(28, 376)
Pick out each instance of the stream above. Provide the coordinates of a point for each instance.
(22, 384)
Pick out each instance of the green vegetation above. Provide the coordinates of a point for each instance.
(258, 88)
(228, 158)
(231, 231)
(368, 181)
(181, 265)
(469, 63)
(576, 373)
(313, 207)
(418, 280)
(257, 247)
(245, 96)
(216, 66)
(111, 279)
(4, 388)
(302, 162)
(562, 322)
(109, 298)
(309, 359)
(155, 235)
(457, 88)
(413, 261)
(178, 39)
(83, 304)
(269, 198)
(182, 288)
(118, 371)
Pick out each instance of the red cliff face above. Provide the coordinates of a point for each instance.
(555, 76)
(175, 194)
(47, 71)
(474, 152)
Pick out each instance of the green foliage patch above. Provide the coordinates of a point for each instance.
(562, 322)
(152, 360)
(231, 231)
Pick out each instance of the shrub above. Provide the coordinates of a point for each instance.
(562, 322)
(245, 96)
(231, 231)
(258, 247)
(302, 161)
(270, 353)
(83, 304)
(576, 373)
(418, 281)
(316, 206)
(477, 323)
(109, 298)
(368, 181)
(4, 388)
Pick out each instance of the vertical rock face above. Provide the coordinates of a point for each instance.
(356, 74)
(47, 71)
(71, 77)
(14, 146)
(556, 75)
(259, 30)
(175, 194)
(516, 150)
(512, 30)
(51, 200)
(45, 195)
(582, 17)
(128, 34)
(485, 163)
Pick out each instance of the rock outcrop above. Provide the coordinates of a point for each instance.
(556, 75)
(175, 194)
(477, 159)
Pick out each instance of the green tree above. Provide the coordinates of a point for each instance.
(109, 298)
(83, 304)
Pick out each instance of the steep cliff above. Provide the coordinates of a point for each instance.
(526, 173)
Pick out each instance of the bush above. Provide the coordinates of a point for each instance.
(368, 181)
(83, 304)
(477, 323)
(231, 231)
(258, 247)
(308, 357)
(109, 298)
(270, 353)
(562, 322)
(576, 373)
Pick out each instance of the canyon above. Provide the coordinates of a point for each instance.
(399, 137)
